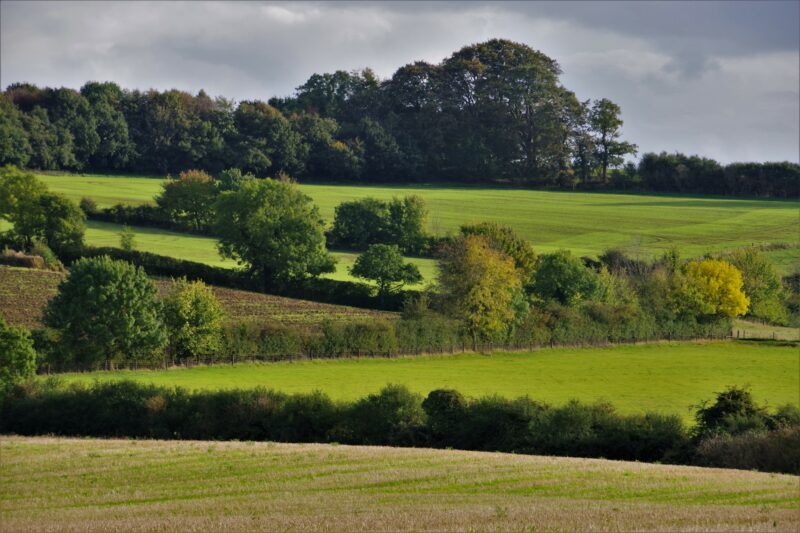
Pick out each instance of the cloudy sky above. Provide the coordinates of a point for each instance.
(714, 78)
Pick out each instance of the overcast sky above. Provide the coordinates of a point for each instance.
(715, 78)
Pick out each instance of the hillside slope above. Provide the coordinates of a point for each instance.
(57, 484)
(24, 293)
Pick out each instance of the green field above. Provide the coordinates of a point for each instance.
(586, 223)
(51, 484)
(204, 249)
(667, 378)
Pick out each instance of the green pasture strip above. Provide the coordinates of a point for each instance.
(586, 223)
(666, 378)
(57, 484)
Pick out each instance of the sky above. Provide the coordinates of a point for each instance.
(719, 79)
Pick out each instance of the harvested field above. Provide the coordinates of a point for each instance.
(24, 293)
(55, 484)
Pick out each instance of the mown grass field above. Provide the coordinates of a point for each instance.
(586, 223)
(667, 378)
(24, 293)
(52, 484)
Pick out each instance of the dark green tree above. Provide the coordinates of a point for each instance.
(562, 277)
(606, 123)
(384, 264)
(189, 199)
(274, 229)
(14, 146)
(106, 311)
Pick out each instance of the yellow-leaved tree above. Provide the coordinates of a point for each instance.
(480, 283)
(712, 287)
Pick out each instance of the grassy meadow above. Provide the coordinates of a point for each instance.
(666, 377)
(59, 484)
(586, 223)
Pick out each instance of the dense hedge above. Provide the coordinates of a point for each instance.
(394, 416)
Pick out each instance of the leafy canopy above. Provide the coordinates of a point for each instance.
(480, 284)
(193, 318)
(106, 310)
(712, 287)
(384, 264)
(274, 229)
(17, 356)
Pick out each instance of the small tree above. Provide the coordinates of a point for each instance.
(193, 318)
(761, 284)
(384, 264)
(273, 229)
(710, 287)
(606, 123)
(127, 239)
(106, 310)
(189, 199)
(564, 278)
(505, 239)
(480, 285)
(17, 356)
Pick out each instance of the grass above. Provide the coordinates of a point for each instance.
(586, 223)
(204, 249)
(667, 378)
(748, 329)
(24, 293)
(58, 484)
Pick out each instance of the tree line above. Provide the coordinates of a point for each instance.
(731, 431)
(493, 111)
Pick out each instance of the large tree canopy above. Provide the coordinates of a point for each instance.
(273, 229)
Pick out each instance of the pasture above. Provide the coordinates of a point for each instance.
(665, 377)
(586, 223)
(24, 293)
(59, 484)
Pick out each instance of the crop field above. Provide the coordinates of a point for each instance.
(586, 223)
(59, 484)
(24, 293)
(667, 378)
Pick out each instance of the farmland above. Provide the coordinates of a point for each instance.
(101, 485)
(667, 378)
(586, 223)
(24, 293)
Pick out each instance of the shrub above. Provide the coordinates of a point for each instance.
(733, 411)
(447, 412)
(88, 206)
(768, 451)
(17, 356)
(392, 417)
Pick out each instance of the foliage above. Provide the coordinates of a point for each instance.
(273, 229)
(38, 214)
(480, 283)
(505, 240)
(563, 278)
(609, 150)
(711, 287)
(17, 356)
(127, 239)
(401, 221)
(189, 198)
(106, 311)
(384, 264)
(193, 319)
(761, 284)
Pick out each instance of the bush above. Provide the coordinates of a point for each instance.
(88, 206)
(767, 451)
(17, 356)
(193, 318)
(392, 417)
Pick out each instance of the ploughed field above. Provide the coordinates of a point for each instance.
(670, 378)
(59, 484)
(586, 223)
(24, 293)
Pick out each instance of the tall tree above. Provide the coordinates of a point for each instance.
(480, 285)
(606, 123)
(14, 146)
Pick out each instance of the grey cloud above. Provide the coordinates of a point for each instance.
(716, 78)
